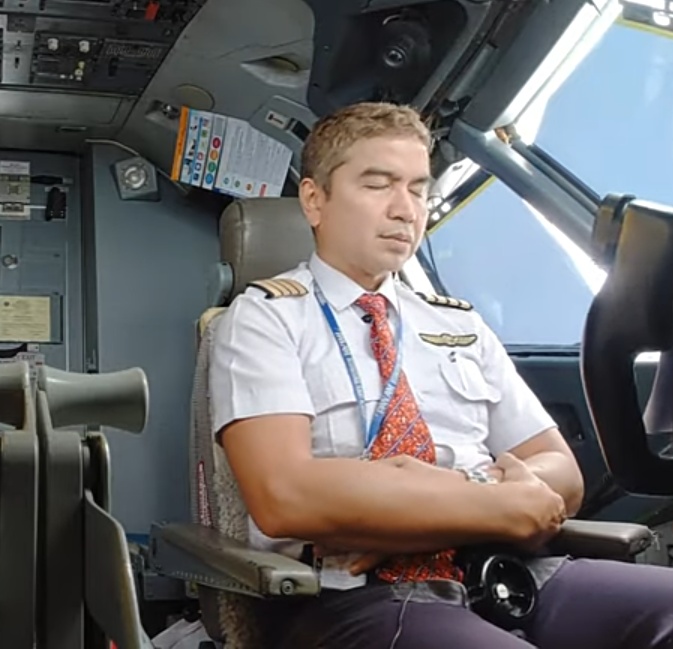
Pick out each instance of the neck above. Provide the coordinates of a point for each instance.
(368, 281)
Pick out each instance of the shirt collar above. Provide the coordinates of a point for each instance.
(341, 291)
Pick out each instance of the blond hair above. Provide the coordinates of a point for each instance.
(328, 142)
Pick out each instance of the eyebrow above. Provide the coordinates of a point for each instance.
(374, 171)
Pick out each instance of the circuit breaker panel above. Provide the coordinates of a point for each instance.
(71, 71)
(101, 46)
(40, 260)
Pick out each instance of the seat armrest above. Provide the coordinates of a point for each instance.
(200, 554)
(602, 539)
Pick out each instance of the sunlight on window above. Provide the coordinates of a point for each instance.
(661, 19)
(596, 26)
(456, 175)
(591, 272)
(528, 280)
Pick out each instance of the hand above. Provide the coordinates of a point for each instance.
(547, 513)
(540, 511)
(512, 469)
(495, 472)
(363, 563)
(509, 468)
(367, 562)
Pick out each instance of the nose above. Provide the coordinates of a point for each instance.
(404, 206)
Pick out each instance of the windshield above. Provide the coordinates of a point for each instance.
(611, 124)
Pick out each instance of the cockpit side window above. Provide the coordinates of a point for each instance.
(532, 285)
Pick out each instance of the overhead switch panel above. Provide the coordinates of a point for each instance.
(98, 46)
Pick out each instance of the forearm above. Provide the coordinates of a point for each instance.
(404, 506)
(561, 474)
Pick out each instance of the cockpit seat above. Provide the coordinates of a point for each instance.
(261, 238)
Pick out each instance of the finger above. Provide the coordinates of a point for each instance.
(507, 461)
(365, 563)
(496, 472)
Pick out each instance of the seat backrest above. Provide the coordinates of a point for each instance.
(259, 238)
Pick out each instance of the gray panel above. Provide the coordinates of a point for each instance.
(86, 61)
(42, 248)
(49, 258)
(49, 121)
(493, 105)
(152, 261)
(221, 51)
(60, 108)
(25, 134)
(109, 47)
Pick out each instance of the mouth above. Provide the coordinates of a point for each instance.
(401, 237)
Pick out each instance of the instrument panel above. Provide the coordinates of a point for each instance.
(95, 46)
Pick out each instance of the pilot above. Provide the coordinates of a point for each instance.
(375, 432)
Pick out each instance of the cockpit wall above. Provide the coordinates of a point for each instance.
(121, 69)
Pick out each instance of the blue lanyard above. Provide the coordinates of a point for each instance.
(379, 414)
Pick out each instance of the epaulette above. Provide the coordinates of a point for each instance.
(280, 287)
(444, 300)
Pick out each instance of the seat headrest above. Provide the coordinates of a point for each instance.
(261, 237)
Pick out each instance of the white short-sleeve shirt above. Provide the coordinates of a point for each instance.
(279, 355)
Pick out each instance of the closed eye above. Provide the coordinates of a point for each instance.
(420, 189)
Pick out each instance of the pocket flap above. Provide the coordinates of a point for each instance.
(464, 376)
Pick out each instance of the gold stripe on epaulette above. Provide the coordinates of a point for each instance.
(280, 287)
(445, 300)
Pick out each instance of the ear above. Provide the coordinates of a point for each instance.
(312, 199)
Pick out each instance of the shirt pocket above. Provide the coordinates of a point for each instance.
(337, 427)
(470, 393)
(456, 399)
(464, 377)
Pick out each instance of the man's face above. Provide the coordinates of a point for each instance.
(373, 219)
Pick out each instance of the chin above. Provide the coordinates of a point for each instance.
(392, 264)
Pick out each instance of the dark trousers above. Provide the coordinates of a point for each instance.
(587, 604)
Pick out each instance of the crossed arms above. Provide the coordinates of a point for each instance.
(395, 505)
(398, 505)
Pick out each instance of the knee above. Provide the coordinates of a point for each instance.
(654, 632)
(653, 628)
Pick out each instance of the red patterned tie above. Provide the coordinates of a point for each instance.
(403, 431)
